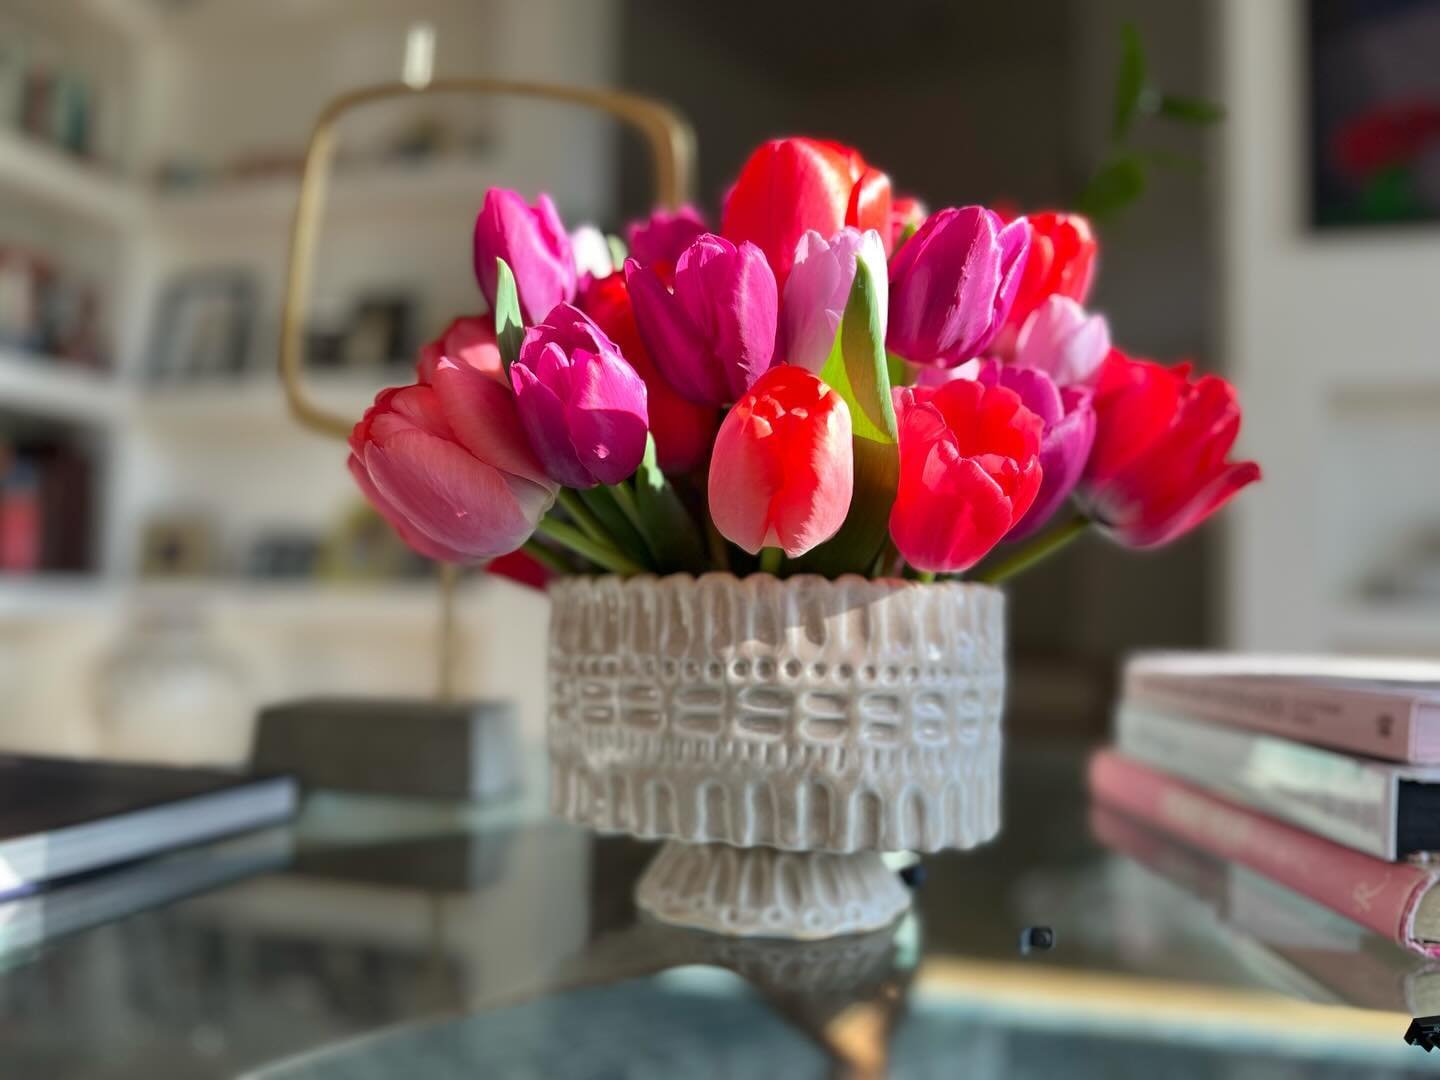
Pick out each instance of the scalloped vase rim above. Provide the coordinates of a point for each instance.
(899, 584)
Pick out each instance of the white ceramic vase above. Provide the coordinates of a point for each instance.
(778, 735)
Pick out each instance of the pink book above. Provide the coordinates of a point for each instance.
(1394, 899)
(1381, 708)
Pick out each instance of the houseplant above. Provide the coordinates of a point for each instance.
(776, 472)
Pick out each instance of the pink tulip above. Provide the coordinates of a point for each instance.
(1061, 340)
(581, 403)
(469, 341)
(952, 285)
(715, 334)
(1069, 418)
(819, 287)
(969, 470)
(448, 465)
(659, 239)
(782, 471)
(533, 243)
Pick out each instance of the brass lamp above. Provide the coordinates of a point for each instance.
(353, 743)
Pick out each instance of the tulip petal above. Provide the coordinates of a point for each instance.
(417, 540)
(543, 416)
(606, 417)
(455, 500)
(481, 412)
(675, 343)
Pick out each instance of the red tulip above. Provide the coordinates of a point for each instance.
(1061, 263)
(783, 470)
(449, 466)
(969, 470)
(1158, 467)
(468, 341)
(683, 430)
(790, 185)
(521, 568)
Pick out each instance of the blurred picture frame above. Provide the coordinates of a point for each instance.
(204, 325)
(380, 333)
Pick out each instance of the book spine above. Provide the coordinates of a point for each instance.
(1344, 799)
(1377, 724)
(1379, 895)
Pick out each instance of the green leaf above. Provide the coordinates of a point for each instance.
(1129, 81)
(618, 250)
(601, 502)
(509, 329)
(1187, 110)
(1177, 162)
(900, 371)
(857, 368)
(1119, 182)
(668, 526)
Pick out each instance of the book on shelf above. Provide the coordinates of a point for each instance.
(1397, 900)
(1385, 809)
(60, 817)
(1382, 708)
(1290, 942)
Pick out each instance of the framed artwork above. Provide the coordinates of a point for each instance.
(204, 325)
(1374, 84)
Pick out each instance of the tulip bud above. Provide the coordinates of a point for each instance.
(952, 284)
(789, 186)
(469, 341)
(1069, 431)
(969, 470)
(1061, 263)
(1060, 339)
(819, 288)
(1158, 468)
(782, 472)
(533, 243)
(582, 404)
(906, 213)
(715, 334)
(449, 466)
(683, 430)
(659, 239)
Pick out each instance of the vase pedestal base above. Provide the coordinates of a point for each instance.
(763, 892)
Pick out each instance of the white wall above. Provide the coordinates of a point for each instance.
(1310, 320)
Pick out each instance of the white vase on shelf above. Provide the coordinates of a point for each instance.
(778, 735)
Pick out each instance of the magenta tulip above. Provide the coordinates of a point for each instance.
(659, 239)
(952, 285)
(1069, 418)
(448, 465)
(581, 402)
(715, 334)
(1063, 341)
(533, 243)
(819, 287)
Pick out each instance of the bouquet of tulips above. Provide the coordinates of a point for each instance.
(833, 381)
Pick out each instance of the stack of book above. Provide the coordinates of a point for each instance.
(1321, 774)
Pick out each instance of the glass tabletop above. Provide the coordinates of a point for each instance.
(396, 938)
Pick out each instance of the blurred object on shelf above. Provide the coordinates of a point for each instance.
(168, 691)
(381, 333)
(1414, 574)
(178, 544)
(47, 311)
(363, 547)
(46, 96)
(204, 324)
(46, 506)
(283, 553)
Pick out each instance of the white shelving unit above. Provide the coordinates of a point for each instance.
(45, 175)
(53, 389)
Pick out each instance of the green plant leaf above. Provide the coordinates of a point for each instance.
(509, 329)
(1119, 182)
(668, 525)
(857, 368)
(1176, 162)
(900, 372)
(601, 502)
(1129, 81)
(618, 250)
(1188, 110)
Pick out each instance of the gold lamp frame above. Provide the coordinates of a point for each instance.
(672, 155)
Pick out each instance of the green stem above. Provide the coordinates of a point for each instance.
(1042, 547)
(545, 557)
(601, 554)
(925, 577)
(618, 530)
(580, 513)
(625, 499)
(719, 553)
(770, 560)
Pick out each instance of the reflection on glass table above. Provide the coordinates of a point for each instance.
(407, 939)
